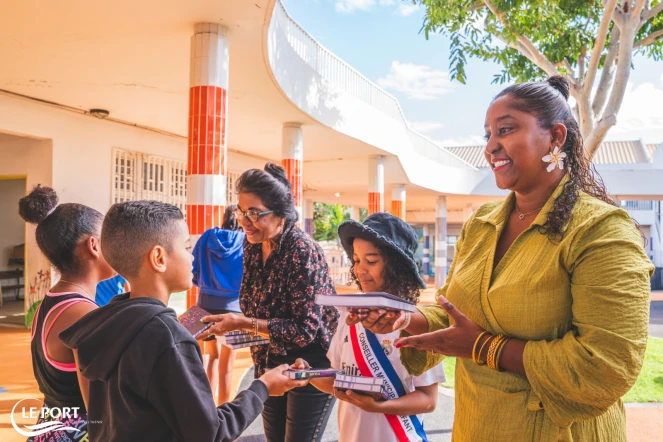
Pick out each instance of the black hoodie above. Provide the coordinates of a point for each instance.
(147, 381)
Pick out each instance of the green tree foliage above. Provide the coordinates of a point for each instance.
(533, 39)
(326, 219)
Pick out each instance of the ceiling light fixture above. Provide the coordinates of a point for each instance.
(99, 113)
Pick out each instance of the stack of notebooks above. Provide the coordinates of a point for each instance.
(361, 384)
(242, 339)
(311, 373)
(366, 300)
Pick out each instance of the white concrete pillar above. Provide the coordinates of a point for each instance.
(398, 201)
(293, 162)
(440, 241)
(354, 214)
(375, 185)
(308, 216)
(425, 261)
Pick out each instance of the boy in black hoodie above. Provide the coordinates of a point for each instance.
(147, 381)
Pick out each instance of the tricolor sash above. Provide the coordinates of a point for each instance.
(373, 362)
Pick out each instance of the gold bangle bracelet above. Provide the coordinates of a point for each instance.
(476, 344)
(499, 353)
(490, 358)
(479, 361)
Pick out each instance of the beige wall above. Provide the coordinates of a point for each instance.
(32, 158)
(12, 227)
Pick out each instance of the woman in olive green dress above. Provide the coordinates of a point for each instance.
(546, 304)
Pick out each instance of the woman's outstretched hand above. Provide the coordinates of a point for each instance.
(379, 321)
(223, 324)
(456, 340)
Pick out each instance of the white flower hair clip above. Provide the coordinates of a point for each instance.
(555, 158)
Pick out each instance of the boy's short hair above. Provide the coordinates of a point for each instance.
(132, 228)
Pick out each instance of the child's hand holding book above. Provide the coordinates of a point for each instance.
(278, 383)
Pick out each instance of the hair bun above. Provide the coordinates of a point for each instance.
(278, 172)
(36, 206)
(561, 84)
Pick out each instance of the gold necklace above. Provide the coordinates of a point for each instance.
(523, 215)
(81, 287)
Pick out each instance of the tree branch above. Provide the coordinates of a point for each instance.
(651, 38)
(537, 57)
(625, 56)
(514, 44)
(599, 44)
(593, 141)
(607, 73)
(566, 65)
(581, 63)
(653, 12)
(637, 10)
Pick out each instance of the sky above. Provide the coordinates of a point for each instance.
(381, 40)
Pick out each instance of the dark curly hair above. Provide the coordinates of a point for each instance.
(271, 185)
(548, 102)
(399, 280)
(59, 228)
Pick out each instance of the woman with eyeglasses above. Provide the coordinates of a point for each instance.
(284, 269)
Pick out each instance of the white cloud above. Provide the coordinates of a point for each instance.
(417, 81)
(425, 126)
(406, 9)
(348, 6)
(641, 110)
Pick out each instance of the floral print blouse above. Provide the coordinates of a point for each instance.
(283, 292)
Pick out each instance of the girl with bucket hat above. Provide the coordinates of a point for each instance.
(382, 254)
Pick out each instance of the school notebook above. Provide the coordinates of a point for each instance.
(190, 319)
(366, 300)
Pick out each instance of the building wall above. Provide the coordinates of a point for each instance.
(31, 158)
(72, 153)
(82, 147)
(12, 227)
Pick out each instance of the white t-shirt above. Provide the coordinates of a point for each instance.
(355, 424)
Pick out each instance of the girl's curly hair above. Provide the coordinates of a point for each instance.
(397, 276)
(548, 101)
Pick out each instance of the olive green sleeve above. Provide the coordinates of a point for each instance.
(585, 372)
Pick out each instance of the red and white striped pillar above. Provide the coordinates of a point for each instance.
(293, 162)
(207, 155)
(375, 185)
(398, 201)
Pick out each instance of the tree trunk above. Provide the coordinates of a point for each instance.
(628, 29)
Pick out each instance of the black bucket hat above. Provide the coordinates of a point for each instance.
(386, 230)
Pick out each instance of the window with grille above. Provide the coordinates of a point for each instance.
(138, 176)
(231, 192)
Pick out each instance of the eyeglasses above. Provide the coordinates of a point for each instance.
(252, 214)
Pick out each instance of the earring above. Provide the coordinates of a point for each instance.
(555, 158)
